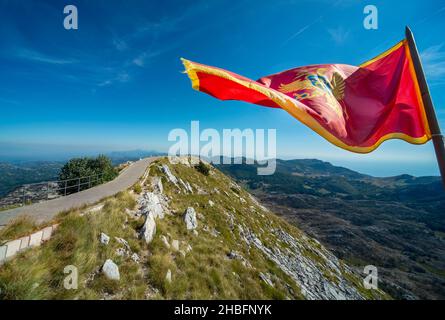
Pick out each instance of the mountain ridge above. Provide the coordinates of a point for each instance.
(182, 233)
(395, 223)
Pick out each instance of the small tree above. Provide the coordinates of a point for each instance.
(86, 171)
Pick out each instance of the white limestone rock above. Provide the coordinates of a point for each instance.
(149, 229)
(135, 257)
(186, 185)
(123, 242)
(157, 185)
(152, 203)
(168, 276)
(104, 239)
(111, 270)
(190, 219)
(165, 241)
(175, 245)
(169, 174)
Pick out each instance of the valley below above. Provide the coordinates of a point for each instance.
(396, 224)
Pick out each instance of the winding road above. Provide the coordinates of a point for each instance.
(45, 211)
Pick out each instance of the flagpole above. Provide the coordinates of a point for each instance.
(437, 137)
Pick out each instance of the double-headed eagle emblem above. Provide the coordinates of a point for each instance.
(311, 85)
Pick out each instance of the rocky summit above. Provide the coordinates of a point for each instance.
(184, 233)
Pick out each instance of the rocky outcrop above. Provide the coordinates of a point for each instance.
(186, 185)
(307, 273)
(149, 229)
(190, 219)
(169, 174)
(157, 185)
(150, 202)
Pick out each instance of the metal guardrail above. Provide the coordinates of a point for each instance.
(42, 191)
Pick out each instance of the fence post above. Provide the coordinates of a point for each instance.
(47, 191)
(78, 185)
(89, 182)
(24, 195)
(65, 188)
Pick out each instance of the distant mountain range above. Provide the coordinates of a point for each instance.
(395, 223)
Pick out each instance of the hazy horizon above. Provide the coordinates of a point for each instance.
(377, 168)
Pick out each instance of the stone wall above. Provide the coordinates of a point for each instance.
(11, 248)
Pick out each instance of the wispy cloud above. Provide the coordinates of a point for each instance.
(119, 44)
(32, 55)
(433, 59)
(339, 35)
(121, 77)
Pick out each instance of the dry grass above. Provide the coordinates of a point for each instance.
(38, 273)
(19, 227)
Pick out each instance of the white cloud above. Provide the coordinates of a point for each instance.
(32, 55)
(142, 59)
(433, 59)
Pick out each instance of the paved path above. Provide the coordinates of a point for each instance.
(47, 210)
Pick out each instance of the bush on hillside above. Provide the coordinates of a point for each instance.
(100, 169)
(203, 168)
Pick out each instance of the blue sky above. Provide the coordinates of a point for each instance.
(116, 82)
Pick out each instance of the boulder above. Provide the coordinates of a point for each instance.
(151, 203)
(149, 229)
(104, 239)
(111, 270)
(190, 219)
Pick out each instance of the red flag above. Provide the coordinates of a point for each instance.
(355, 108)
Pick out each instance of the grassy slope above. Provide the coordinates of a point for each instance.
(203, 273)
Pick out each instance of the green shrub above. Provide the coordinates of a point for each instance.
(79, 169)
(137, 188)
(203, 168)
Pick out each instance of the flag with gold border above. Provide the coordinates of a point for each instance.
(354, 107)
